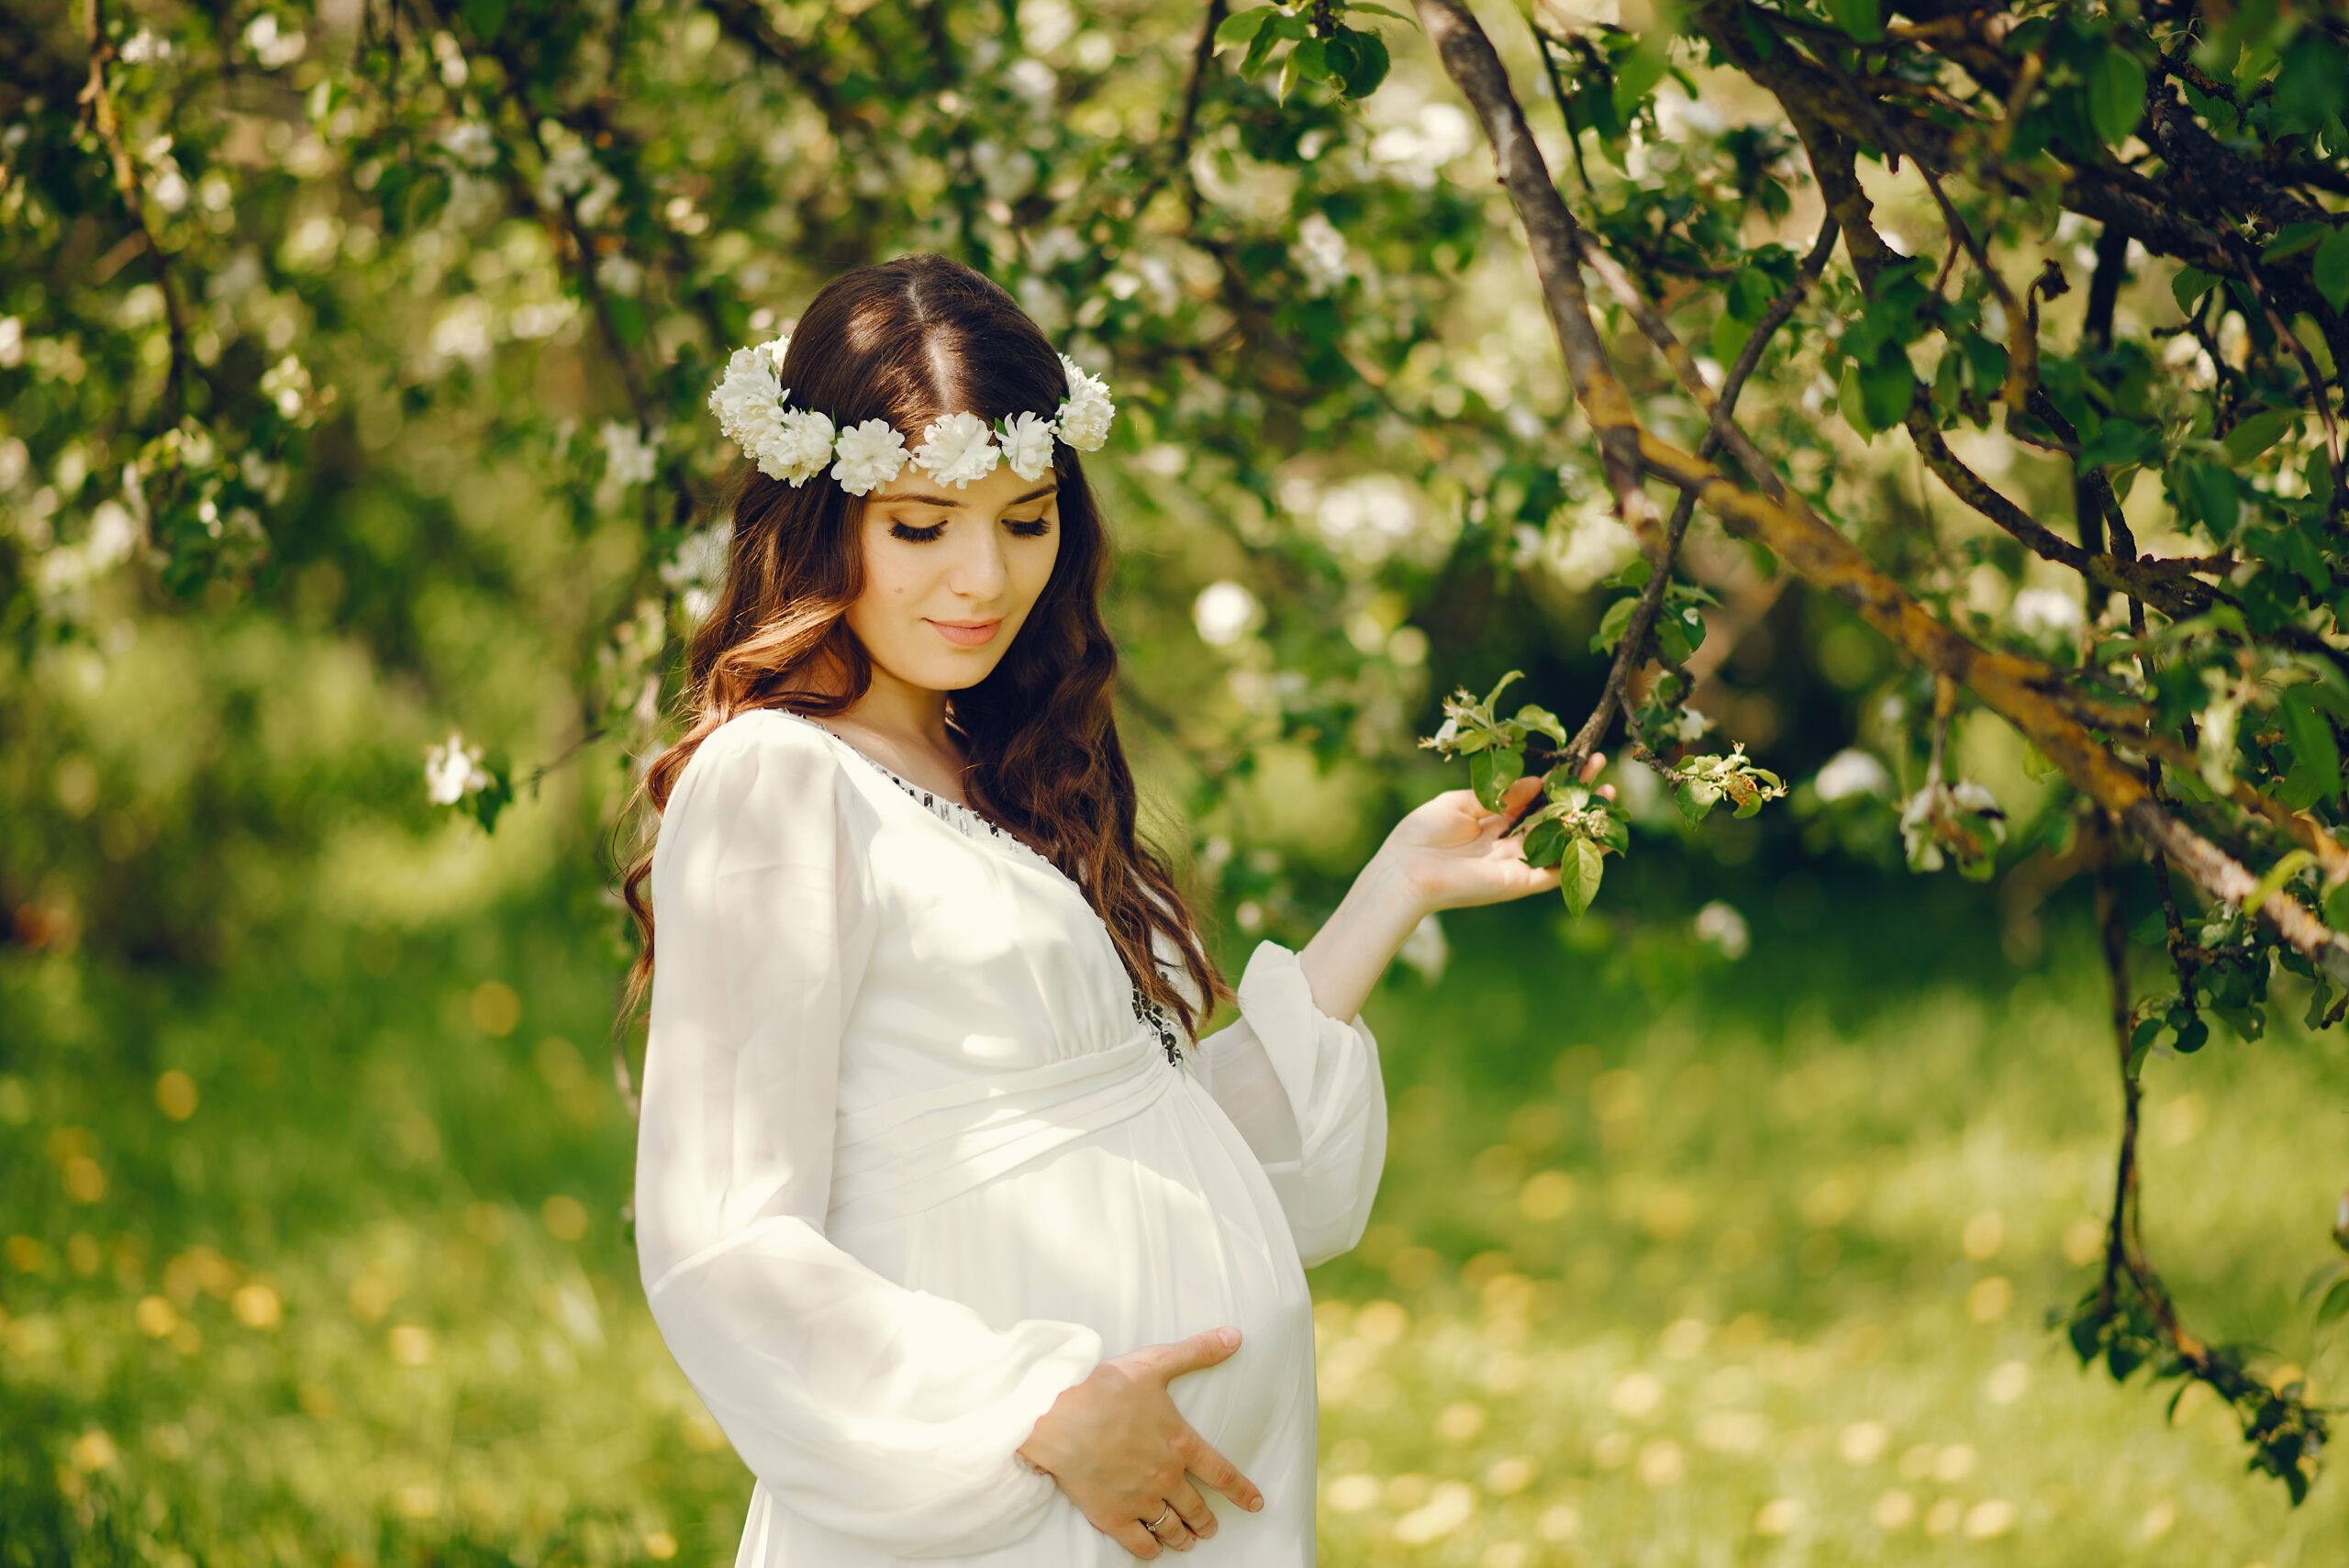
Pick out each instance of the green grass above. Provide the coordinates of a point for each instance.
(1678, 1261)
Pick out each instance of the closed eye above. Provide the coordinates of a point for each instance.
(1028, 528)
(912, 535)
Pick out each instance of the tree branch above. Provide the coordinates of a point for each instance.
(1553, 236)
(97, 102)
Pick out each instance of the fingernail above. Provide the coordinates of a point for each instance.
(1230, 1337)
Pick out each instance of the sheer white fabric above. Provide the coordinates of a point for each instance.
(910, 1164)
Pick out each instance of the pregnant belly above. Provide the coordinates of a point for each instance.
(1147, 1231)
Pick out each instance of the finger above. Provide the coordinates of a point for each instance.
(1191, 1508)
(1520, 791)
(1590, 769)
(1167, 1362)
(1129, 1534)
(1223, 1475)
(1606, 792)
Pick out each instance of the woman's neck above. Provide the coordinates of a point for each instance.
(906, 725)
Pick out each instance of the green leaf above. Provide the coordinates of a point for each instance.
(2192, 1036)
(1360, 60)
(2293, 239)
(1578, 874)
(2190, 285)
(2331, 266)
(2282, 871)
(1697, 798)
(1852, 405)
(1491, 772)
(1378, 11)
(1241, 26)
(2310, 734)
(1636, 77)
(2116, 95)
(1612, 625)
(1886, 384)
(1545, 844)
(1276, 27)
(2118, 441)
(1860, 19)
(2257, 434)
(1310, 60)
(1616, 834)
(2207, 492)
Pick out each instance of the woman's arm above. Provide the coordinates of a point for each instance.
(1449, 854)
(1298, 1073)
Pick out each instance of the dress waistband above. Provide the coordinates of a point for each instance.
(915, 1152)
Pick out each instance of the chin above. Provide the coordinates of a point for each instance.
(950, 673)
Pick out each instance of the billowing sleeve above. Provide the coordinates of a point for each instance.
(886, 1414)
(1304, 1090)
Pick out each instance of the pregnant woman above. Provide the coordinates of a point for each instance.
(975, 1254)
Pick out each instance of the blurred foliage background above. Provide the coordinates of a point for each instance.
(351, 369)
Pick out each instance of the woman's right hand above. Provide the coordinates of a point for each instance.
(1123, 1454)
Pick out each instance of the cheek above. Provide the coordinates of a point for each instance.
(1032, 565)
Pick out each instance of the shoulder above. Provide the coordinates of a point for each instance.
(767, 734)
(759, 762)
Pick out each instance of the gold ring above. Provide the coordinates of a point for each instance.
(1152, 1526)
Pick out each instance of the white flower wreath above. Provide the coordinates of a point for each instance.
(753, 408)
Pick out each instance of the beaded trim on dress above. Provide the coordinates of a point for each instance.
(972, 825)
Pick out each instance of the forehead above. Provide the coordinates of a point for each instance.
(1002, 488)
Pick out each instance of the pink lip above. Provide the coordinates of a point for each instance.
(968, 633)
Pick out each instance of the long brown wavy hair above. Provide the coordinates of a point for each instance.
(909, 342)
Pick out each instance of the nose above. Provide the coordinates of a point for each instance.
(978, 572)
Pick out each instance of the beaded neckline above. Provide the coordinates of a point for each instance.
(973, 824)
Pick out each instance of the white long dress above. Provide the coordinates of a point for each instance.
(913, 1161)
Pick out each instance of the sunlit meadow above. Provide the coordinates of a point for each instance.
(1694, 1268)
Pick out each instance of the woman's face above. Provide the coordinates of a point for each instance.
(949, 574)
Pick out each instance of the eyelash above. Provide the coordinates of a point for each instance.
(1028, 528)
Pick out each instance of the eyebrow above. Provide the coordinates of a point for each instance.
(1036, 494)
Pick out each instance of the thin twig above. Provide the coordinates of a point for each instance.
(98, 109)
(1630, 653)
(1178, 154)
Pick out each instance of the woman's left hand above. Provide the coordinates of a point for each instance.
(1455, 854)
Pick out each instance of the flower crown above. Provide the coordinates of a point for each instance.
(794, 444)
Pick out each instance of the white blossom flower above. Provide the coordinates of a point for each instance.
(956, 450)
(871, 455)
(1226, 612)
(1974, 797)
(621, 273)
(750, 380)
(797, 448)
(698, 568)
(1720, 925)
(287, 384)
(1083, 419)
(701, 559)
(1028, 445)
(1320, 252)
(1851, 772)
(454, 771)
(2047, 612)
(627, 458)
(1690, 726)
(470, 143)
